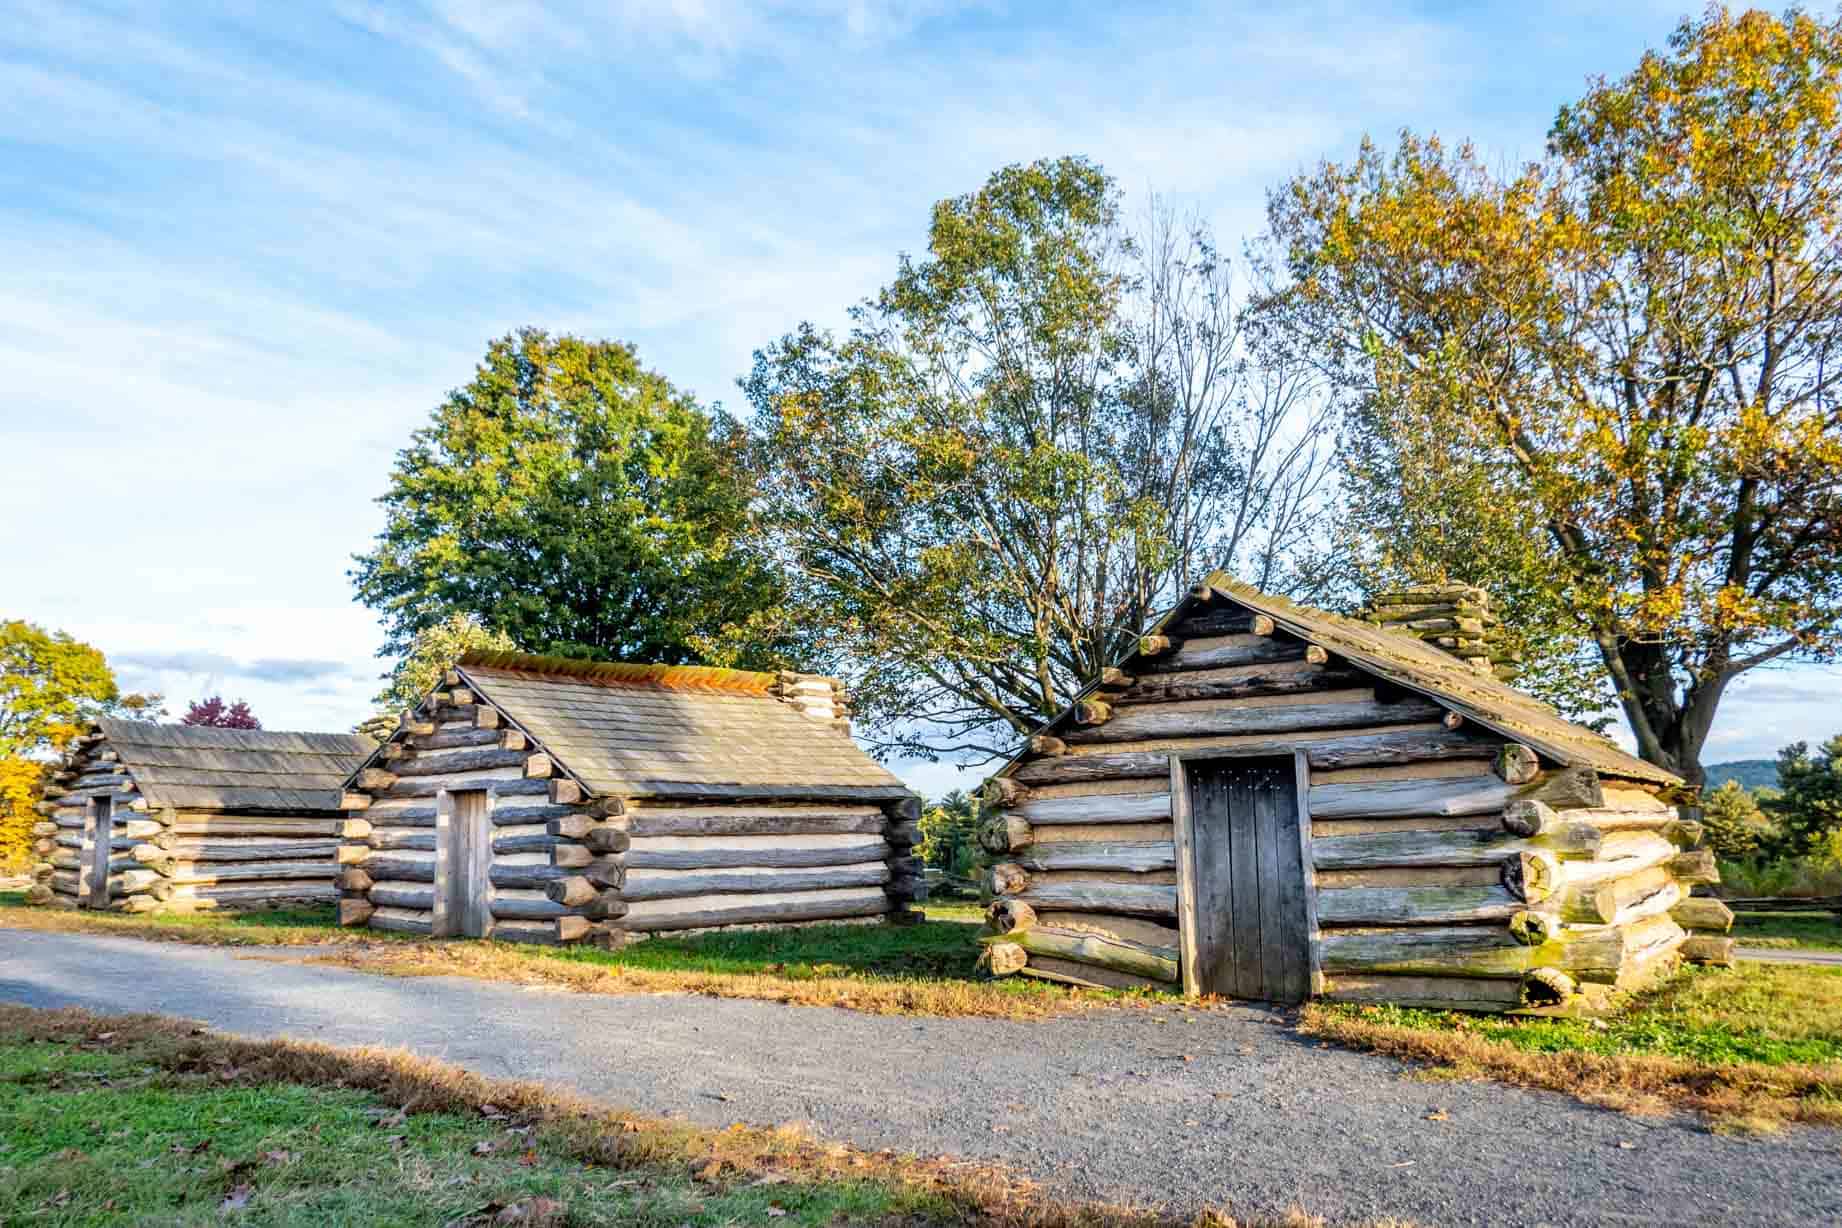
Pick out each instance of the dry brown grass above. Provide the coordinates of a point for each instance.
(929, 1190)
(1752, 1095)
(814, 981)
(873, 995)
(202, 929)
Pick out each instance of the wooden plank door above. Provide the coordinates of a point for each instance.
(463, 886)
(102, 848)
(1246, 904)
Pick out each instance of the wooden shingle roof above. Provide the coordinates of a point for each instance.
(675, 731)
(190, 767)
(1415, 665)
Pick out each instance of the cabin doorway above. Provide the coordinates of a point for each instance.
(1245, 899)
(102, 848)
(463, 857)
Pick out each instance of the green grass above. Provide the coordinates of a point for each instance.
(1776, 1015)
(97, 1137)
(1807, 931)
(1752, 1046)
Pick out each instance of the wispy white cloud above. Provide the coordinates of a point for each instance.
(248, 248)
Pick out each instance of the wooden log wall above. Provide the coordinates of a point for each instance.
(165, 860)
(564, 867)
(1451, 867)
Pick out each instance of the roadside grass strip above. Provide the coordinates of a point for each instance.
(926, 969)
(133, 1119)
(1789, 931)
(1751, 1047)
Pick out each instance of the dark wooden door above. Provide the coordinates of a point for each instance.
(102, 849)
(1250, 931)
(464, 880)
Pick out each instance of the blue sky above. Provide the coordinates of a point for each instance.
(244, 249)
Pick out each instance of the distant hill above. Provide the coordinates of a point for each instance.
(1751, 773)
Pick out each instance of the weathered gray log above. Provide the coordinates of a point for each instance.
(1433, 992)
(402, 921)
(1463, 795)
(231, 849)
(1703, 912)
(903, 835)
(608, 871)
(1098, 950)
(456, 738)
(737, 882)
(518, 812)
(1131, 899)
(224, 872)
(571, 892)
(247, 895)
(402, 895)
(381, 866)
(1414, 905)
(535, 877)
(1595, 955)
(909, 888)
(753, 821)
(1709, 949)
(788, 910)
(1616, 901)
(451, 763)
(1696, 866)
(1095, 808)
(532, 906)
(1214, 718)
(530, 843)
(1087, 976)
(1216, 651)
(1007, 878)
(382, 838)
(1239, 682)
(719, 858)
(1008, 914)
(1126, 855)
(1005, 832)
(1517, 764)
(1479, 847)
(606, 838)
(429, 786)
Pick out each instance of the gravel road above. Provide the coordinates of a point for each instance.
(1178, 1108)
(1775, 955)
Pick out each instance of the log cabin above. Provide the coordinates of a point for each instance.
(537, 799)
(143, 817)
(1270, 802)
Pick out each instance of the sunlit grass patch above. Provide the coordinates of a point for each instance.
(1760, 1042)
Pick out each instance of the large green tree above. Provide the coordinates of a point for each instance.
(1029, 440)
(1605, 382)
(1808, 804)
(577, 503)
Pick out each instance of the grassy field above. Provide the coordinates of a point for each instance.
(137, 1119)
(1755, 1045)
(1806, 931)
(926, 969)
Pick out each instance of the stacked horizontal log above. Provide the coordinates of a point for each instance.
(566, 867)
(1455, 617)
(1451, 867)
(166, 860)
(817, 697)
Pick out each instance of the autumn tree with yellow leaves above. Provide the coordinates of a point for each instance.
(1604, 383)
(51, 686)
